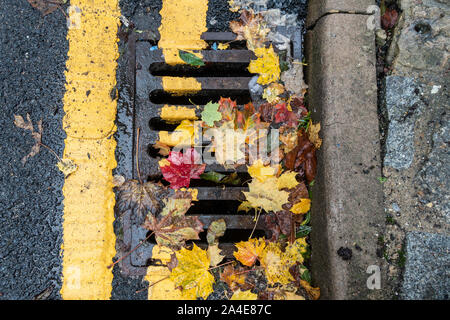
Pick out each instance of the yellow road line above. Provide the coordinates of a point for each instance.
(89, 240)
(182, 24)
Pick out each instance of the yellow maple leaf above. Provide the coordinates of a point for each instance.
(214, 255)
(192, 271)
(229, 144)
(244, 295)
(313, 293)
(183, 135)
(313, 134)
(223, 46)
(267, 65)
(249, 251)
(301, 207)
(259, 171)
(67, 166)
(294, 251)
(272, 92)
(276, 265)
(265, 195)
(233, 277)
(292, 296)
(245, 206)
(287, 180)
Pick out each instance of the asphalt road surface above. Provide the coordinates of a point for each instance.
(33, 51)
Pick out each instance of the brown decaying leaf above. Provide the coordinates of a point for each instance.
(46, 6)
(37, 135)
(171, 227)
(389, 19)
(303, 157)
(140, 196)
(164, 149)
(234, 277)
(251, 28)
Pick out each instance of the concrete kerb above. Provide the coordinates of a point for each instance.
(321, 8)
(347, 214)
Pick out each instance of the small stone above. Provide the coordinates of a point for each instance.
(429, 205)
(381, 37)
(395, 207)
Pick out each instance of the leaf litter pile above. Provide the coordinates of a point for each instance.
(261, 268)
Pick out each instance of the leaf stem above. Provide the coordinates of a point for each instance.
(51, 150)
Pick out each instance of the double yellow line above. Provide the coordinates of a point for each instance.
(90, 111)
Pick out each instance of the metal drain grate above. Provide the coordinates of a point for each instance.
(224, 75)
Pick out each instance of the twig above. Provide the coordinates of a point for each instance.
(137, 154)
(258, 214)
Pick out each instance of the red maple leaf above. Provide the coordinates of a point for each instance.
(227, 108)
(284, 115)
(180, 168)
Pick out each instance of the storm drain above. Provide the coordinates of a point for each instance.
(224, 75)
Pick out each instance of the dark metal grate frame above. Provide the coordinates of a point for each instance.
(143, 83)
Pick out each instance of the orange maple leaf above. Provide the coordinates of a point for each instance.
(249, 251)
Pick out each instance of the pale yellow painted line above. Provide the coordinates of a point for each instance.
(182, 24)
(89, 240)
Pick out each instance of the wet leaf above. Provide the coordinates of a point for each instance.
(313, 134)
(46, 6)
(143, 197)
(66, 166)
(190, 58)
(283, 115)
(233, 277)
(37, 135)
(275, 266)
(192, 271)
(272, 92)
(265, 195)
(251, 28)
(172, 228)
(267, 65)
(211, 114)
(231, 179)
(244, 295)
(303, 157)
(164, 149)
(215, 255)
(301, 207)
(179, 168)
(287, 180)
(249, 251)
(223, 46)
(389, 19)
(261, 172)
(313, 293)
(216, 230)
(245, 206)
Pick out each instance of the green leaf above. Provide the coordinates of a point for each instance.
(190, 58)
(215, 231)
(210, 113)
(217, 177)
(307, 218)
(306, 276)
(303, 231)
(382, 179)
